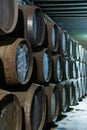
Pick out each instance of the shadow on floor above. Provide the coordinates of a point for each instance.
(50, 126)
(61, 117)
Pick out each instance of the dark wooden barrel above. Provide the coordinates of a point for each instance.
(83, 55)
(64, 104)
(76, 91)
(10, 112)
(76, 54)
(17, 61)
(70, 93)
(83, 83)
(57, 69)
(77, 50)
(80, 88)
(80, 52)
(66, 73)
(62, 42)
(42, 66)
(52, 36)
(70, 48)
(33, 102)
(31, 23)
(8, 16)
(72, 69)
(78, 68)
(81, 69)
(74, 49)
(53, 100)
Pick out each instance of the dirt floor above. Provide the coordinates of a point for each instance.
(75, 119)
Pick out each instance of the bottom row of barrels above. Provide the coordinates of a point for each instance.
(32, 109)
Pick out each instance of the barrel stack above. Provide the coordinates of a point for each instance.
(43, 69)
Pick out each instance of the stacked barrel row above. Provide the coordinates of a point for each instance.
(42, 68)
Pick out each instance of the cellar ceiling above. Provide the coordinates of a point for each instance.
(70, 15)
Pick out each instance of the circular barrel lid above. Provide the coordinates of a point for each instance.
(77, 50)
(22, 61)
(71, 49)
(46, 66)
(64, 99)
(71, 95)
(80, 52)
(64, 44)
(67, 73)
(57, 68)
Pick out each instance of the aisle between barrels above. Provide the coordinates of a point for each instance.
(75, 119)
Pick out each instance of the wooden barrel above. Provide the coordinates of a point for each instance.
(77, 50)
(80, 88)
(83, 55)
(70, 93)
(57, 69)
(70, 48)
(76, 91)
(83, 86)
(31, 23)
(10, 112)
(64, 105)
(53, 100)
(62, 42)
(72, 67)
(66, 73)
(80, 52)
(68, 44)
(78, 68)
(17, 61)
(81, 69)
(8, 16)
(74, 49)
(52, 36)
(42, 66)
(33, 102)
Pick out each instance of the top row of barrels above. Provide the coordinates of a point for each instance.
(25, 21)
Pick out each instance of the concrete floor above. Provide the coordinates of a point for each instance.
(75, 119)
